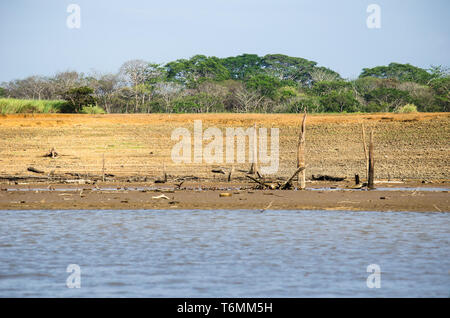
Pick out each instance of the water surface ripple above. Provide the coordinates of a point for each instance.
(178, 253)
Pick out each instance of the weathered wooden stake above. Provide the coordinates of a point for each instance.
(164, 172)
(301, 154)
(365, 149)
(230, 173)
(371, 163)
(254, 166)
(103, 168)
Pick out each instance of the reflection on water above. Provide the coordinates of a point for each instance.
(224, 253)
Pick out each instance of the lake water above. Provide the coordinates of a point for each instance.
(194, 253)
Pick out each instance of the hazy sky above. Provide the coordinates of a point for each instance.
(35, 39)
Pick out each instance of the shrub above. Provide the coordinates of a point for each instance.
(92, 109)
(408, 108)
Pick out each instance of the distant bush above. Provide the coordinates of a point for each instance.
(408, 108)
(91, 109)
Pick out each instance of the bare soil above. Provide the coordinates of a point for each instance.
(410, 148)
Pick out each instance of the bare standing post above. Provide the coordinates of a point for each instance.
(254, 166)
(301, 153)
(371, 162)
(365, 150)
(229, 174)
(103, 168)
(164, 172)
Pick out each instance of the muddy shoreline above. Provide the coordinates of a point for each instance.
(390, 196)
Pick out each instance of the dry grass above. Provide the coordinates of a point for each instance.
(410, 146)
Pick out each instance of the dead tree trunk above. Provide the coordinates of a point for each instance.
(365, 150)
(371, 163)
(230, 173)
(103, 168)
(301, 154)
(254, 166)
(357, 179)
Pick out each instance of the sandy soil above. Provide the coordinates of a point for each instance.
(412, 148)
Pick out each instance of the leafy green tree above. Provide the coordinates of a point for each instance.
(401, 72)
(441, 88)
(196, 70)
(287, 93)
(299, 103)
(243, 66)
(324, 74)
(326, 87)
(265, 85)
(339, 101)
(285, 67)
(388, 99)
(77, 98)
(439, 71)
(2, 92)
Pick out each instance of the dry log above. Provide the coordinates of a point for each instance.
(257, 181)
(32, 169)
(326, 178)
(179, 184)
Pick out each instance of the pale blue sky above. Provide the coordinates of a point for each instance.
(35, 39)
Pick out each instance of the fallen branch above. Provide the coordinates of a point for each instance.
(51, 154)
(288, 183)
(327, 178)
(256, 180)
(32, 169)
(162, 196)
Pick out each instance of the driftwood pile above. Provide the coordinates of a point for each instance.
(263, 184)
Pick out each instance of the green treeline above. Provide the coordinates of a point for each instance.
(244, 83)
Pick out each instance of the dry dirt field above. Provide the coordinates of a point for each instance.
(407, 146)
(411, 150)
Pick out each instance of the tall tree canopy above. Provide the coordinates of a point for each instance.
(197, 69)
(401, 72)
(243, 66)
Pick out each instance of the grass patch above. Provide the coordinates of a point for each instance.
(92, 110)
(24, 106)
